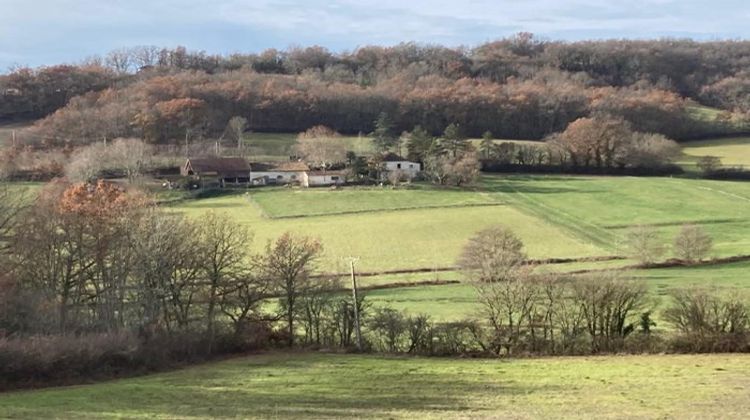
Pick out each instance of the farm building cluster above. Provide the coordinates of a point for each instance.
(237, 171)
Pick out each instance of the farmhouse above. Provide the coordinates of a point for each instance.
(217, 170)
(274, 174)
(393, 162)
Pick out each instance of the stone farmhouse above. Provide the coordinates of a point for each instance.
(234, 171)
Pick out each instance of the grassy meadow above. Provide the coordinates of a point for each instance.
(387, 239)
(425, 226)
(733, 151)
(351, 386)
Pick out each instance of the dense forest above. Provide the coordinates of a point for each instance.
(519, 87)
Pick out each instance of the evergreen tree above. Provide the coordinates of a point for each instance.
(383, 136)
(420, 142)
(453, 140)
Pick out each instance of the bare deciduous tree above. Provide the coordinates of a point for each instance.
(321, 147)
(644, 244)
(131, 155)
(709, 164)
(608, 303)
(288, 262)
(492, 254)
(224, 255)
(87, 163)
(236, 128)
(692, 243)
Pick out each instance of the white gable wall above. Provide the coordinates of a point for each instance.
(411, 168)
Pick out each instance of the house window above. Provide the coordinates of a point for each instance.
(334, 178)
(280, 177)
(411, 166)
(294, 176)
(398, 166)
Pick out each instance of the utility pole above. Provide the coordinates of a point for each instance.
(356, 306)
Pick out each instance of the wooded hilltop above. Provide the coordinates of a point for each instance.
(520, 87)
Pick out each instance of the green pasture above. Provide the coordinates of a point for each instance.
(280, 202)
(425, 226)
(601, 209)
(360, 386)
(733, 151)
(429, 237)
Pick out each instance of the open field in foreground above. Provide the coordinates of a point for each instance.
(352, 386)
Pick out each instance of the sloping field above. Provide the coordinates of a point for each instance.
(601, 209)
(733, 151)
(352, 386)
(388, 239)
(277, 203)
(556, 216)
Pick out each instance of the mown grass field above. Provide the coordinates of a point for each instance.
(733, 151)
(556, 216)
(352, 386)
(386, 239)
(601, 209)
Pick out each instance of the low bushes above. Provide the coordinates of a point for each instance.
(45, 360)
(580, 317)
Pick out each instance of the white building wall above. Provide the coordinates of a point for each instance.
(277, 177)
(411, 168)
(319, 180)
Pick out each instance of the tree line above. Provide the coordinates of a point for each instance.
(520, 87)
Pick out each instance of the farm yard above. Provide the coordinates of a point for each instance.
(350, 386)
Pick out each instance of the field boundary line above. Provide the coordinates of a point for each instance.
(678, 223)
(548, 261)
(385, 210)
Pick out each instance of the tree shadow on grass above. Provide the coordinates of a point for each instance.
(291, 386)
(536, 186)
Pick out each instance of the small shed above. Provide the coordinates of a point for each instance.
(224, 170)
(393, 162)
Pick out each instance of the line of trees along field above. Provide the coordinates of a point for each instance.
(520, 87)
